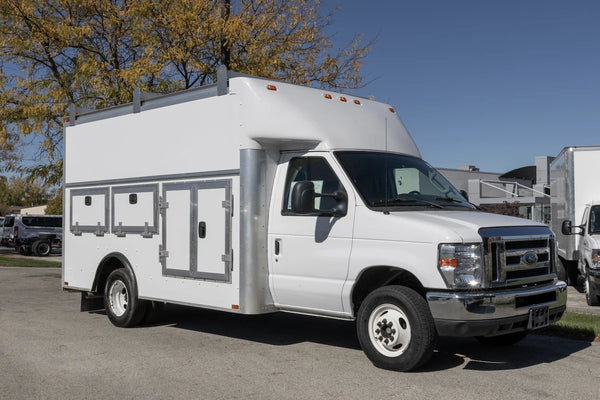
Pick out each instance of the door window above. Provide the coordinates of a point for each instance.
(317, 171)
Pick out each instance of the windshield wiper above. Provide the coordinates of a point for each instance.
(449, 199)
(415, 200)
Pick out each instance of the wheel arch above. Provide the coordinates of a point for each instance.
(108, 264)
(374, 277)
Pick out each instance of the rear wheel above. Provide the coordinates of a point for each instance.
(503, 340)
(395, 328)
(122, 305)
(41, 248)
(591, 294)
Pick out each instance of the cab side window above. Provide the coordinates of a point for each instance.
(318, 171)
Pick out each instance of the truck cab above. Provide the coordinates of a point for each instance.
(588, 250)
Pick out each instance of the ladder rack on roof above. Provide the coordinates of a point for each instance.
(143, 101)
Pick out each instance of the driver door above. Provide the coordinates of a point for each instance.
(309, 254)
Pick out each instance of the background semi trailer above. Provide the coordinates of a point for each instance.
(575, 202)
(253, 196)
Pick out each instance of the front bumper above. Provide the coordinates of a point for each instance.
(489, 313)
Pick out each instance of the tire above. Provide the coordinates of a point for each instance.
(41, 248)
(591, 294)
(503, 340)
(409, 336)
(561, 271)
(122, 305)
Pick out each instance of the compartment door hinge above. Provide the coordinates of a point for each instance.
(162, 254)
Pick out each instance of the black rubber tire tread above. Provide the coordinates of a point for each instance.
(591, 295)
(503, 340)
(423, 331)
(561, 271)
(136, 308)
(35, 248)
(573, 275)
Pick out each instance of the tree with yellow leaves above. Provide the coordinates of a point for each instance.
(94, 52)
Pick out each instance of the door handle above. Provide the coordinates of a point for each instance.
(202, 230)
(277, 246)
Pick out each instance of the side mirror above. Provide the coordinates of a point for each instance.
(464, 194)
(567, 228)
(303, 198)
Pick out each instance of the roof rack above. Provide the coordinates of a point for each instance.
(143, 101)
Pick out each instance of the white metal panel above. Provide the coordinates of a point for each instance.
(178, 229)
(211, 248)
(137, 214)
(89, 215)
(586, 170)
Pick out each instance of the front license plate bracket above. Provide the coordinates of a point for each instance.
(539, 317)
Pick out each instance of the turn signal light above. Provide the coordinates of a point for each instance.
(449, 262)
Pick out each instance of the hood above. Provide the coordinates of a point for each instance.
(436, 226)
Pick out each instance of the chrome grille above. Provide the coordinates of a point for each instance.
(518, 255)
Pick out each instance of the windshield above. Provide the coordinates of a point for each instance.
(386, 180)
(595, 220)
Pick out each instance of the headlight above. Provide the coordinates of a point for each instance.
(595, 259)
(461, 265)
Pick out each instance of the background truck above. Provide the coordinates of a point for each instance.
(33, 234)
(253, 196)
(575, 202)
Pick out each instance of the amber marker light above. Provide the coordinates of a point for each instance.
(327, 96)
(391, 109)
(343, 99)
(235, 307)
(271, 87)
(449, 262)
(356, 101)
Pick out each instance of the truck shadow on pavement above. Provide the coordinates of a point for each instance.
(281, 329)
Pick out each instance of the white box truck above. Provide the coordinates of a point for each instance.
(253, 196)
(575, 203)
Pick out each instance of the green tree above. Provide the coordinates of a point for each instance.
(23, 192)
(55, 206)
(94, 52)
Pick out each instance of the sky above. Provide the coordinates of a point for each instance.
(488, 83)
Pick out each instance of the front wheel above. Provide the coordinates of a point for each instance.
(395, 328)
(591, 294)
(122, 305)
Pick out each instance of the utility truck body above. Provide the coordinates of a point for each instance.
(575, 199)
(253, 196)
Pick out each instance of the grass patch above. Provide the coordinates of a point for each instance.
(27, 262)
(575, 326)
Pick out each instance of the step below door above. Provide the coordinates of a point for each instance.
(197, 230)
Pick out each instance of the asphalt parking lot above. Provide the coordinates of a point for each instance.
(48, 349)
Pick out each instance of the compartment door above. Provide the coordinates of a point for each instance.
(212, 230)
(197, 230)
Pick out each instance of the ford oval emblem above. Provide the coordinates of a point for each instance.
(529, 258)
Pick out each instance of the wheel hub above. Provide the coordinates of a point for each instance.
(389, 330)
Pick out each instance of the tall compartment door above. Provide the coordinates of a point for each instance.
(177, 230)
(197, 230)
(213, 230)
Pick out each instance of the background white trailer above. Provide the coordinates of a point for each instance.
(574, 175)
